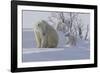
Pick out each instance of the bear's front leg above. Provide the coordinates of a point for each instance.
(44, 42)
(38, 40)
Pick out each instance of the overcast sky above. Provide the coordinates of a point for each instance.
(32, 17)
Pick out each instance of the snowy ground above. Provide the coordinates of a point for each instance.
(53, 54)
(31, 54)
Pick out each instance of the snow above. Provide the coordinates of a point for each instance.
(62, 52)
(39, 50)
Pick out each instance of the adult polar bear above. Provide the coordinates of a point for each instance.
(45, 35)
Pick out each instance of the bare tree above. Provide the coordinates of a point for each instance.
(80, 30)
(87, 30)
(69, 24)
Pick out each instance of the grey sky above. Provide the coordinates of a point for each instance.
(31, 17)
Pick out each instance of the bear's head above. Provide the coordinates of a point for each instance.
(41, 27)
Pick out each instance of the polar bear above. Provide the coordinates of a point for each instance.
(45, 35)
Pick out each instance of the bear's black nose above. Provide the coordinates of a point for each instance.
(43, 33)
